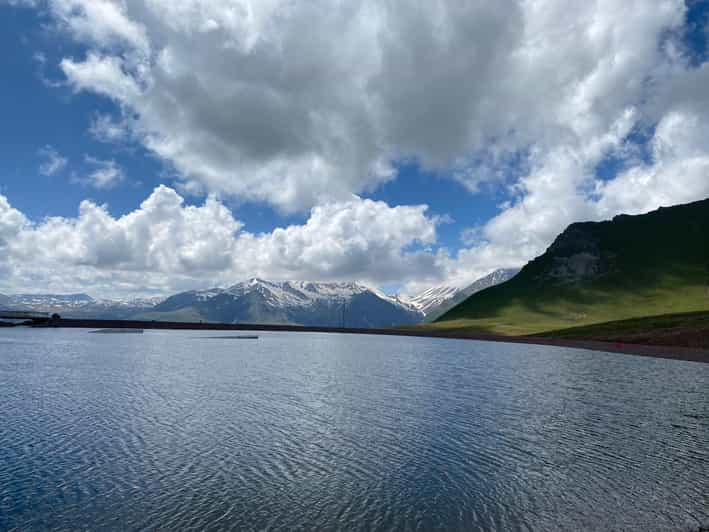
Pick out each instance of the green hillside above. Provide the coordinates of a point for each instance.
(594, 272)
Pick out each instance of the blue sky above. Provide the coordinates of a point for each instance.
(316, 133)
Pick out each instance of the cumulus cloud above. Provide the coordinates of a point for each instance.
(166, 245)
(53, 162)
(12, 222)
(296, 104)
(349, 240)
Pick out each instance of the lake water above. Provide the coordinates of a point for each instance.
(173, 430)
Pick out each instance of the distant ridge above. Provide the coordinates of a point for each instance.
(77, 305)
(630, 266)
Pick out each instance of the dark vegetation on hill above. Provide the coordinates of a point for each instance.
(595, 272)
(689, 329)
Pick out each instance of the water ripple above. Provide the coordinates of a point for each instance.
(312, 431)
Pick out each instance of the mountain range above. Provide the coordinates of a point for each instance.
(267, 302)
(594, 272)
(288, 302)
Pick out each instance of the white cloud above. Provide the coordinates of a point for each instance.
(347, 240)
(105, 128)
(53, 162)
(166, 245)
(103, 74)
(105, 174)
(103, 23)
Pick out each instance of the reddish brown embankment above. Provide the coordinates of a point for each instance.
(670, 352)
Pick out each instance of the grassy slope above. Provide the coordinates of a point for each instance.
(686, 329)
(660, 265)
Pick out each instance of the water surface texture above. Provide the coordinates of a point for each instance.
(167, 430)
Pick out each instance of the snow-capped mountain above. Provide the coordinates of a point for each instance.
(32, 301)
(260, 301)
(439, 299)
(78, 305)
(289, 302)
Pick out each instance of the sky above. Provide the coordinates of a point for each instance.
(154, 146)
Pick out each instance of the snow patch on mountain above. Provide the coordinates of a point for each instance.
(433, 297)
(439, 299)
(292, 302)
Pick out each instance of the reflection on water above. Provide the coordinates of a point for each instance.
(169, 431)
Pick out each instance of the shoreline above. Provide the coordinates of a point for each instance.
(656, 351)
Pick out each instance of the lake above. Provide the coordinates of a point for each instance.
(174, 430)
